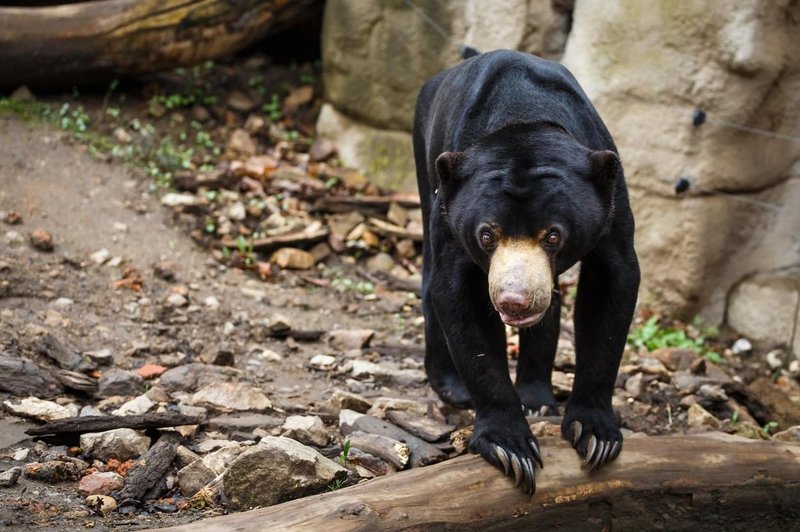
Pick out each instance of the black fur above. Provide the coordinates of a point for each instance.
(528, 152)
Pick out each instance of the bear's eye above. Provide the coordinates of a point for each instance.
(553, 239)
(487, 240)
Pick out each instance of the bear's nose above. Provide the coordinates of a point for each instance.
(513, 304)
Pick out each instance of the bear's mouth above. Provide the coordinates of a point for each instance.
(521, 321)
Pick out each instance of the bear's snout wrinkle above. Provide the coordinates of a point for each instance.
(520, 281)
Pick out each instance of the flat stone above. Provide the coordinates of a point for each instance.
(193, 477)
(276, 470)
(322, 362)
(792, 434)
(700, 417)
(382, 405)
(192, 376)
(136, 406)
(309, 430)
(100, 483)
(349, 400)
(426, 428)
(175, 199)
(292, 259)
(346, 339)
(121, 444)
(119, 382)
(35, 408)
(150, 371)
(232, 396)
(210, 445)
(9, 477)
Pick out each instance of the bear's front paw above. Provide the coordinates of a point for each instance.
(594, 434)
(509, 445)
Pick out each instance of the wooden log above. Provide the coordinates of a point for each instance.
(391, 450)
(366, 205)
(87, 41)
(148, 470)
(81, 425)
(702, 482)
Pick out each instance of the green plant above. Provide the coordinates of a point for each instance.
(769, 427)
(245, 247)
(345, 452)
(335, 485)
(651, 335)
(735, 417)
(273, 108)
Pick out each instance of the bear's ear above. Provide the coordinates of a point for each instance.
(447, 166)
(606, 169)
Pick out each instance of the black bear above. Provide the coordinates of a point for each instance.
(519, 179)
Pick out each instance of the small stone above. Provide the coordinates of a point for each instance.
(774, 359)
(230, 396)
(9, 478)
(674, 358)
(174, 199)
(342, 399)
(101, 357)
(239, 101)
(635, 385)
(100, 483)
(134, 407)
(22, 94)
(382, 405)
(12, 218)
(322, 362)
(122, 136)
(741, 346)
(406, 248)
(90, 410)
(42, 240)
(279, 323)
(100, 257)
(211, 444)
(121, 444)
(712, 392)
(292, 259)
(33, 407)
(321, 149)
(63, 303)
(21, 455)
(382, 262)
(13, 238)
(237, 211)
(346, 339)
(792, 434)
(212, 302)
(193, 477)
(150, 371)
(54, 471)
(700, 417)
(101, 503)
(241, 143)
(309, 430)
(119, 382)
(177, 300)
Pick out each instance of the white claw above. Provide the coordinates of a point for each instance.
(598, 458)
(544, 411)
(615, 449)
(502, 456)
(537, 454)
(577, 428)
(517, 467)
(590, 448)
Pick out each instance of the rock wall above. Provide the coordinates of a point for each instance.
(726, 246)
(377, 55)
(647, 65)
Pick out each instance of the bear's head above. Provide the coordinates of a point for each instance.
(527, 202)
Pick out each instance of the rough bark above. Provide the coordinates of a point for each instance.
(104, 39)
(700, 482)
(148, 470)
(81, 425)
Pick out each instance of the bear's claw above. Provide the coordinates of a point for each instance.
(520, 468)
(598, 445)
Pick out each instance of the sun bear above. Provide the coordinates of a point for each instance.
(519, 179)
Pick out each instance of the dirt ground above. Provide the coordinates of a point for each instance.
(82, 202)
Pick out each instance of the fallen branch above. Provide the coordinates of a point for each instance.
(366, 205)
(297, 238)
(701, 482)
(148, 470)
(81, 425)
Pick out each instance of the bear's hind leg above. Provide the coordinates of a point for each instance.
(537, 351)
(439, 366)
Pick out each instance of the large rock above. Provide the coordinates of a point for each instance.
(764, 308)
(735, 62)
(276, 470)
(121, 444)
(376, 57)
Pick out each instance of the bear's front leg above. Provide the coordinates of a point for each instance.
(607, 289)
(476, 340)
